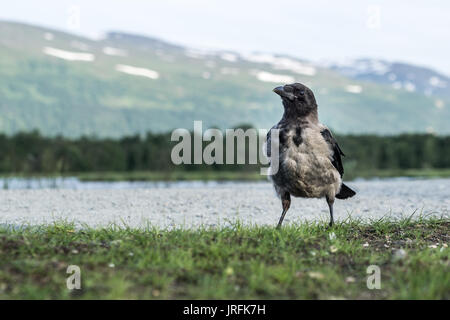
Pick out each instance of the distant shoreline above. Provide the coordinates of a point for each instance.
(219, 175)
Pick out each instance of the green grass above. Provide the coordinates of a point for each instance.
(304, 261)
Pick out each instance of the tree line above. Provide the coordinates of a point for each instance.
(31, 152)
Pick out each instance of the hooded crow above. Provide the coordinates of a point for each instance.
(309, 162)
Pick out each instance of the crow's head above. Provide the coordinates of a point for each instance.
(297, 98)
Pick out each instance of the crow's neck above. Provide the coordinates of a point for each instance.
(294, 116)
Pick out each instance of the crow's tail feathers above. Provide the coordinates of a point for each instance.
(345, 192)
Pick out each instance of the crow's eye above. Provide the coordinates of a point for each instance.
(301, 93)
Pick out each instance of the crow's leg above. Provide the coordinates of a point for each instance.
(330, 202)
(286, 203)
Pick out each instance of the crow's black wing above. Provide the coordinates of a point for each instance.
(337, 152)
(268, 142)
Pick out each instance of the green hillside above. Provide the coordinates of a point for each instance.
(41, 89)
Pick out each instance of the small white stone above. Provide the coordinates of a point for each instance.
(399, 254)
(350, 279)
(316, 275)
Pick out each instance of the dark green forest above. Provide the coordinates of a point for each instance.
(33, 153)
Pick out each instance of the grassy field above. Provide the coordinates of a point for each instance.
(304, 261)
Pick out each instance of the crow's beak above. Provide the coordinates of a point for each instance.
(282, 93)
(279, 91)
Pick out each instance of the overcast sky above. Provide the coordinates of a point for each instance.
(410, 31)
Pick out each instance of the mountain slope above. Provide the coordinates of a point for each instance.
(125, 84)
(398, 75)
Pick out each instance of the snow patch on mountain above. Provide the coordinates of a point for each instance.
(437, 82)
(79, 45)
(354, 67)
(265, 76)
(353, 88)
(230, 57)
(206, 75)
(229, 71)
(281, 63)
(401, 76)
(198, 53)
(409, 86)
(49, 36)
(136, 71)
(69, 55)
(406, 85)
(439, 103)
(110, 51)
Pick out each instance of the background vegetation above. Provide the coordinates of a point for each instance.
(32, 153)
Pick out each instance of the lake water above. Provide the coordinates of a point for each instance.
(15, 183)
(195, 203)
(74, 183)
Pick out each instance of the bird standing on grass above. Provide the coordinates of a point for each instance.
(310, 164)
